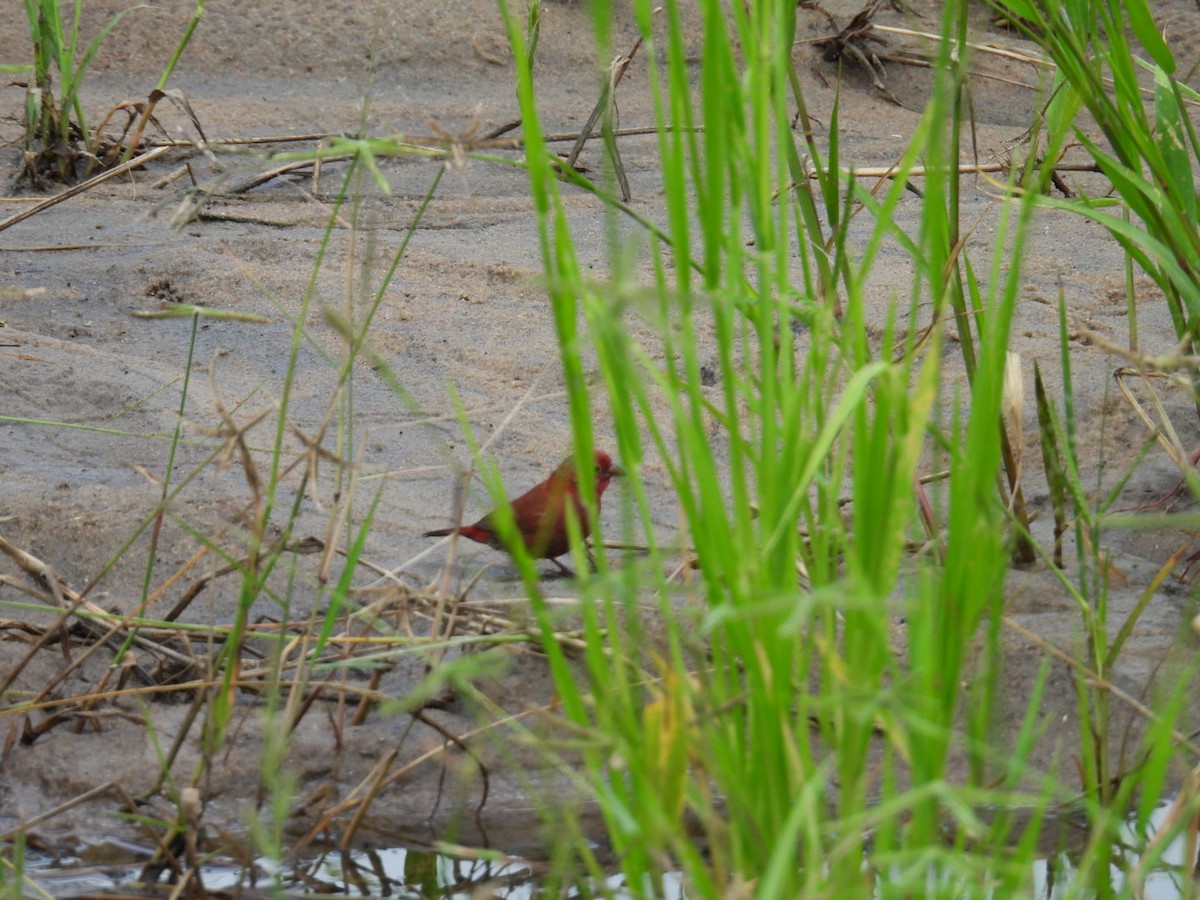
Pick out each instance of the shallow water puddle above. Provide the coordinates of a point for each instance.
(408, 872)
(393, 872)
(1172, 877)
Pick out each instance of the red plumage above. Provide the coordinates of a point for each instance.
(541, 512)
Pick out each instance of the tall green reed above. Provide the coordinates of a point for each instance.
(1149, 150)
(1111, 60)
(762, 729)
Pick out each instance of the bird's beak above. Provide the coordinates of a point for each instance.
(616, 472)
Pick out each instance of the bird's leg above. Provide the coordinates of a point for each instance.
(567, 573)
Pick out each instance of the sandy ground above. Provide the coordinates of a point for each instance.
(465, 310)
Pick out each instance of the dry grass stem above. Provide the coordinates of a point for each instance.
(85, 186)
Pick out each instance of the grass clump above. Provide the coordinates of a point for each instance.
(778, 715)
(58, 142)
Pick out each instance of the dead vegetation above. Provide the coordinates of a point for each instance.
(332, 664)
(859, 42)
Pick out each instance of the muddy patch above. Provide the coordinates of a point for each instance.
(94, 436)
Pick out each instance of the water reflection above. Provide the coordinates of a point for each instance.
(1171, 878)
(425, 873)
(400, 872)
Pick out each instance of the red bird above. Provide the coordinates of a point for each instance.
(541, 512)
